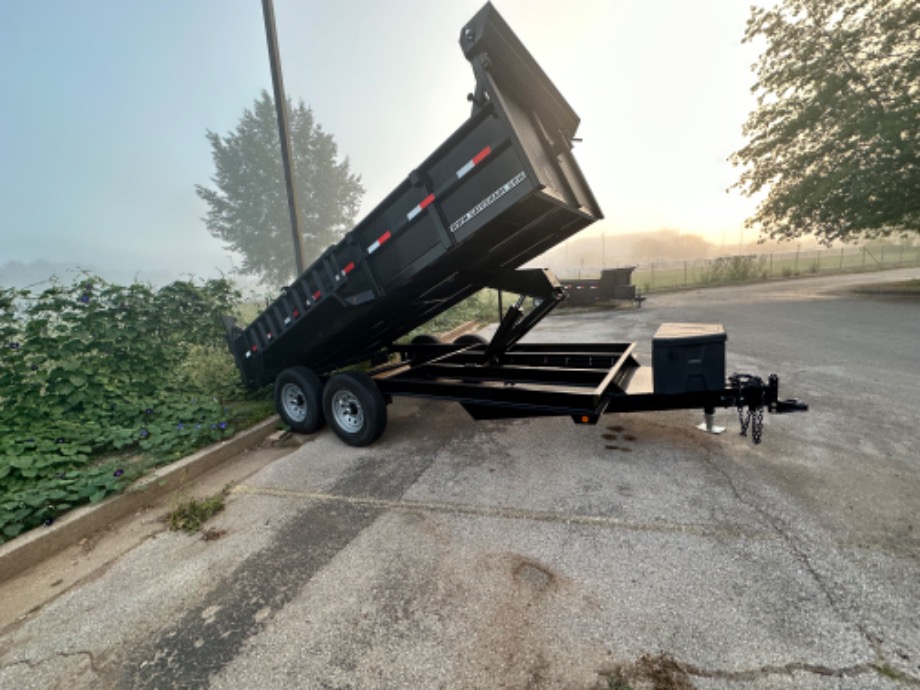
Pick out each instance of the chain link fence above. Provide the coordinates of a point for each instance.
(674, 274)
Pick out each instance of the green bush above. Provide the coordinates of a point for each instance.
(481, 307)
(93, 374)
(735, 269)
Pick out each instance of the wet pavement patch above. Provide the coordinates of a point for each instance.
(210, 635)
(616, 436)
(660, 672)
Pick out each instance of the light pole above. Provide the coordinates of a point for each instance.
(284, 132)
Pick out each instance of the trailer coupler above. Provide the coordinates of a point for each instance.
(752, 396)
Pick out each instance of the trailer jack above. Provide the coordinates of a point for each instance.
(708, 425)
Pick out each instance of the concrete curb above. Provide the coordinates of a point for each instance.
(38, 544)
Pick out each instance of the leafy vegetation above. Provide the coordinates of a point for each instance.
(736, 269)
(834, 140)
(99, 382)
(481, 307)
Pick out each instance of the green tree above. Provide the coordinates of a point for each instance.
(249, 207)
(835, 139)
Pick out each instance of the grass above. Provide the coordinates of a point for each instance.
(481, 307)
(904, 287)
(250, 411)
(191, 514)
(651, 278)
(889, 672)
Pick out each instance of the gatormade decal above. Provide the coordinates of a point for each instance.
(488, 201)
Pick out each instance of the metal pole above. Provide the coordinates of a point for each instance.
(284, 132)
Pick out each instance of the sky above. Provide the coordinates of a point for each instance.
(106, 105)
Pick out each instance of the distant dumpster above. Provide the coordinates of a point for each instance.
(614, 284)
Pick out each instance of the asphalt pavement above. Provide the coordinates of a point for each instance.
(640, 552)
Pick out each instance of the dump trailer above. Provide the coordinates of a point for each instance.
(614, 284)
(500, 190)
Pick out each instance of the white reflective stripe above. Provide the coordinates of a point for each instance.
(414, 212)
(374, 247)
(465, 169)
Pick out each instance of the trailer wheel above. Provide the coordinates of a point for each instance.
(298, 399)
(471, 339)
(355, 408)
(426, 339)
(424, 353)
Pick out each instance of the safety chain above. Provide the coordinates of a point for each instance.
(754, 415)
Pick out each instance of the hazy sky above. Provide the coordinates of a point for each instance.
(106, 104)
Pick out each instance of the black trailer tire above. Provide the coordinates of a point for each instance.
(426, 339)
(299, 399)
(355, 408)
(471, 339)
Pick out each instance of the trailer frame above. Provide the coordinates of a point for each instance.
(503, 378)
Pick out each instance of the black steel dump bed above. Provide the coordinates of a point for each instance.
(502, 189)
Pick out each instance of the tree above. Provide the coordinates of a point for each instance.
(835, 138)
(249, 208)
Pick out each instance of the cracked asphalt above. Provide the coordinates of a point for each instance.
(640, 552)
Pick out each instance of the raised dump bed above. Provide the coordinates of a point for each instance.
(502, 189)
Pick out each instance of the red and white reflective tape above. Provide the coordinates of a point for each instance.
(474, 161)
(349, 268)
(380, 240)
(421, 207)
(317, 295)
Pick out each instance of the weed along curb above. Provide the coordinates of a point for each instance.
(30, 548)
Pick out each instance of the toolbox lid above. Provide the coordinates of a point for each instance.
(680, 333)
